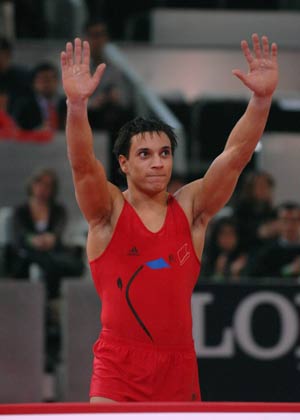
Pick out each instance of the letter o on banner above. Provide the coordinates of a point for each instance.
(243, 325)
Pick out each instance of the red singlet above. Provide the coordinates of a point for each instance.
(145, 282)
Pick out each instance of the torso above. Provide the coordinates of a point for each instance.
(145, 277)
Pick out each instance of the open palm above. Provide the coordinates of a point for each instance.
(78, 83)
(262, 76)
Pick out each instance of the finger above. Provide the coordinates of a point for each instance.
(69, 53)
(256, 45)
(274, 50)
(86, 53)
(246, 51)
(265, 46)
(63, 60)
(77, 51)
(98, 73)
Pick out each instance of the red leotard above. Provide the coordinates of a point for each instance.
(145, 282)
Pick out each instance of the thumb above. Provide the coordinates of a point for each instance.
(239, 74)
(99, 73)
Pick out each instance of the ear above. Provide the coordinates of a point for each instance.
(123, 162)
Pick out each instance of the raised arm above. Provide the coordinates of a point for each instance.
(93, 192)
(212, 192)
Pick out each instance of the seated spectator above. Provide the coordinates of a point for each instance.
(41, 108)
(281, 257)
(13, 77)
(223, 256)
(38, 226)
(254, 210)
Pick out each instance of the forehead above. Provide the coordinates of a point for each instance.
(48, 74)
(227, 228)
(97, 30)
(150, 140)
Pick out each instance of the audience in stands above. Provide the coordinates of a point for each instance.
(281, 257)
(42, 107)
(224, 257)
(254, 210)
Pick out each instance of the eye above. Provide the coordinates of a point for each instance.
(143, 154)
(166, 153)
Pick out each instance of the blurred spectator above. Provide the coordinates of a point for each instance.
(254, 210)
(42, 107)
(13, 77)
(223, 255)
(38, 249)
(39, 224)
(109, 106)
(281, 258)
(9, 129)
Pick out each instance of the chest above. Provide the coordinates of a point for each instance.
(39, 213)
(151, 219)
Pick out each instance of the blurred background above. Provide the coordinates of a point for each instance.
(171, 60)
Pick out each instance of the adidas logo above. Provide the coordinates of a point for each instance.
(133, 251)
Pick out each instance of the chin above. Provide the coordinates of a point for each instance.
(158, 188)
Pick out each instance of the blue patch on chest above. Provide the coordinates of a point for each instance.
(157, 264)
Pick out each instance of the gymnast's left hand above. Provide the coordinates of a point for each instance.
(262, 76)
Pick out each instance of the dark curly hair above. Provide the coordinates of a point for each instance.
(141, 125)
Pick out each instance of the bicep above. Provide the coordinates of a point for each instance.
(92, 191)
(216, 187)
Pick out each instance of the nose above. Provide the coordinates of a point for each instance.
(157, 161)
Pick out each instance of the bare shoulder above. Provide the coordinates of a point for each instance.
(100, 233)
(188, 196)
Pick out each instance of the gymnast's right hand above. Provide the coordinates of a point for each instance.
(78, 82)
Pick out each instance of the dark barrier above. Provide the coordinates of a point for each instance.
(247, 341)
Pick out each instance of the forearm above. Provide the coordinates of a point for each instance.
(79, 135)
(248, 130)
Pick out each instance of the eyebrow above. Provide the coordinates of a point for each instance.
(146, 149)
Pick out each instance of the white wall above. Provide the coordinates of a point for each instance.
(279, 156)
(211, 28)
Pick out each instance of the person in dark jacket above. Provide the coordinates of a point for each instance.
(281, 258)
(43, 106)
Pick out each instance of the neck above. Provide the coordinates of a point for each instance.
(139, 199)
